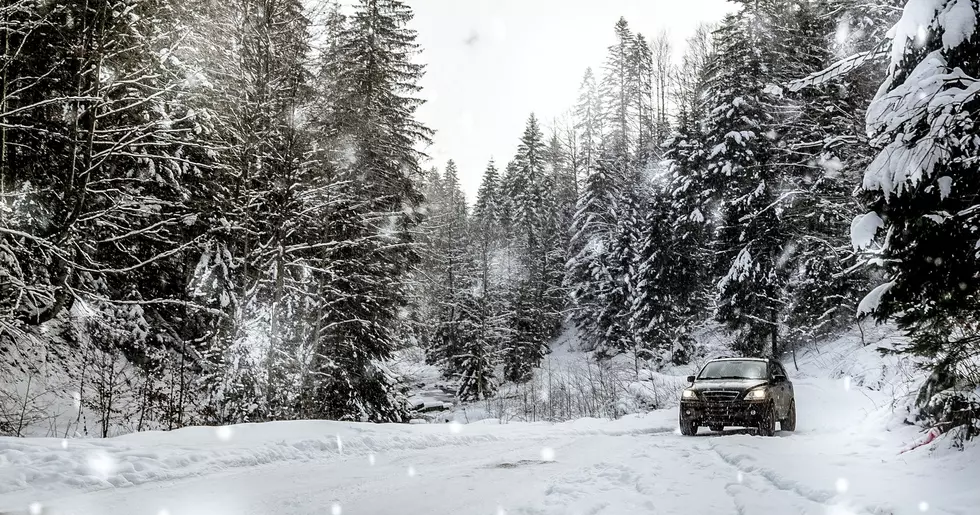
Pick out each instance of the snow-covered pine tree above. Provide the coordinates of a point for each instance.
(821, 149)
(453, 273)
(485, 208)
(477, 327)
(478, 362)
(562, 173)
(371, 127)
(620, 278)
(617, 91)
(593, 227)
(673, 261)
(740, 143)
(921, 227)
(537, 298)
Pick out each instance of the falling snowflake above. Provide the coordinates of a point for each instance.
(843, 32)
(64, 444)
(920, 36)
(739, 477)
(455, 427)
(371, 459)
(163, 512)
(923, 506)
(841, 485)
(788, 251)
(35, 508)
(847, 382)
(77, 399)
(831, 165)
(547, 454)
(101, 465)
(335, 509)
(224, 433)
(411, 471)
(501, 510)
(340, 445)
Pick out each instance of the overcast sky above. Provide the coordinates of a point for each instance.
(490, 63)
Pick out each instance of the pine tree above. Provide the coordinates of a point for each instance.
(821, 147)
(478, 361)
(921, 187)
(370, 122)
(740, 138)
(485, 210)
(593, 227)
(453, 271)
(536, 297)
(617, 90)
(99, 147)
(479, 332)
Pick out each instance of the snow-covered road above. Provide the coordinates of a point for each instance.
(840, 462)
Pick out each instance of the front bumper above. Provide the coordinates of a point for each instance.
(733, 413)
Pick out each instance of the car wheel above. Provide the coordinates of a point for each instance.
(789, 423)
(717, 429)
(688, 427)
(767, 424)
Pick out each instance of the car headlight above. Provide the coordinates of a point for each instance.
(689, 395)
(756, 395)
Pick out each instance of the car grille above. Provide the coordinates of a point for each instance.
(720, 395)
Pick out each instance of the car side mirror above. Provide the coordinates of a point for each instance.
(690, 379)
(778, 379)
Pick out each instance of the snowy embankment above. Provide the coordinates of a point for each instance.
(34, 465)
(845, 459)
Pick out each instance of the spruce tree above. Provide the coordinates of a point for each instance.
(740, 145)
(593, 227)
(921, 187)
(617, 90)
(370, 122)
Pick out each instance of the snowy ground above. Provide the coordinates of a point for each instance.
(845, 459)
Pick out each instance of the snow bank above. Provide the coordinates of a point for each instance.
(51, 465)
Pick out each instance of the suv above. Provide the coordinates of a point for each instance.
(746, 392)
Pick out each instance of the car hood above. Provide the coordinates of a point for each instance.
(727, 384)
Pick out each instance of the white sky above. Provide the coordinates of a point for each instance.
(490, 63)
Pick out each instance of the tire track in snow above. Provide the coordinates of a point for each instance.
(737, 461)
(821, 498)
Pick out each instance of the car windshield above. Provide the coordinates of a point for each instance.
(734, 370)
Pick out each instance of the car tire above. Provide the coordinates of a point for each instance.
(717, 429)
(789, 423)
(767, 423)
(688, 427)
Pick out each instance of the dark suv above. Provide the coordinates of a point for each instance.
(744, 392)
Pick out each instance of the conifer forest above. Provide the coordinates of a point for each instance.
(217, 212)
